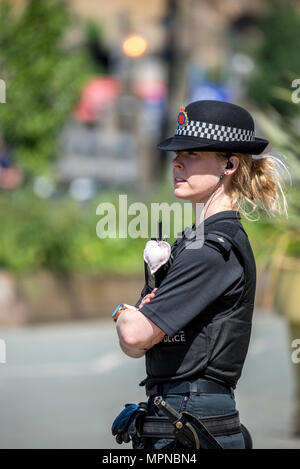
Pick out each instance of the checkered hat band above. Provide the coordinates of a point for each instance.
(215, 132)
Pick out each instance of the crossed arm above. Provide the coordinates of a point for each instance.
(136, 332)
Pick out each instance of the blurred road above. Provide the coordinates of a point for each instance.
(63, 385)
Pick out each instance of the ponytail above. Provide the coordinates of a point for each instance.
(257, 184)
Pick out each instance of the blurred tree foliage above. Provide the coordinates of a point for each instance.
(95, 45)
(60, 235)
(43, 79)
(277, 59)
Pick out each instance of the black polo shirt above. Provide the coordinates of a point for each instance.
(202, 281)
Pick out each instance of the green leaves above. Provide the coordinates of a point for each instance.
(43, 79)
(277, 58)
(60, 235)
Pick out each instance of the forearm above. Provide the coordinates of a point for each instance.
(132, 352)
(137, 334)
(122, 325)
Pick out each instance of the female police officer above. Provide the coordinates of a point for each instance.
(194, 329)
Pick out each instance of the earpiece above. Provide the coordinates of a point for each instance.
(229, 165)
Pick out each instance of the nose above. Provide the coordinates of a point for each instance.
(176, 163)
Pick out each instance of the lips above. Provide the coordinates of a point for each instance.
(178, 180)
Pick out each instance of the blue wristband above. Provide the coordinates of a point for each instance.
(115, 313)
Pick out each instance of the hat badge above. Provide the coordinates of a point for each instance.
(182, 118)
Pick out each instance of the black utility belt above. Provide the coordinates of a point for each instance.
(200, 385)
(161, 427)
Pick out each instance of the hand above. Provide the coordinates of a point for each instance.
(147, 298)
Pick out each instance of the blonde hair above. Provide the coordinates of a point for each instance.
(258, 184)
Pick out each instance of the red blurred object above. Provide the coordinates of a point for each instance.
(10, 178)
(97, 94)
(155, 90)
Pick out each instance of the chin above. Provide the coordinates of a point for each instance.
(181, 195)
(184, 195)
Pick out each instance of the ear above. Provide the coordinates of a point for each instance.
(235, 164)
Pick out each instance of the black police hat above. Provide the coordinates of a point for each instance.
(214, 126)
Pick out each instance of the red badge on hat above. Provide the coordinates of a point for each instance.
(182, 119)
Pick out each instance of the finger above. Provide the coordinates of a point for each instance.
(144, 302)
(147, 298)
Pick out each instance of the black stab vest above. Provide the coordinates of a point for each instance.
(215, 346)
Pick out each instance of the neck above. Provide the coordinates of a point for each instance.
(214, 204)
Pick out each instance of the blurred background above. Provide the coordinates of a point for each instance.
(87, 89)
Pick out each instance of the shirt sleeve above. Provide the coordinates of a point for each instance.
(196, 278)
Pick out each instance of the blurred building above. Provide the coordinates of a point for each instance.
(185, 42)
(200, 24)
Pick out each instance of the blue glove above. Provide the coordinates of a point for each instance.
(124, 425)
